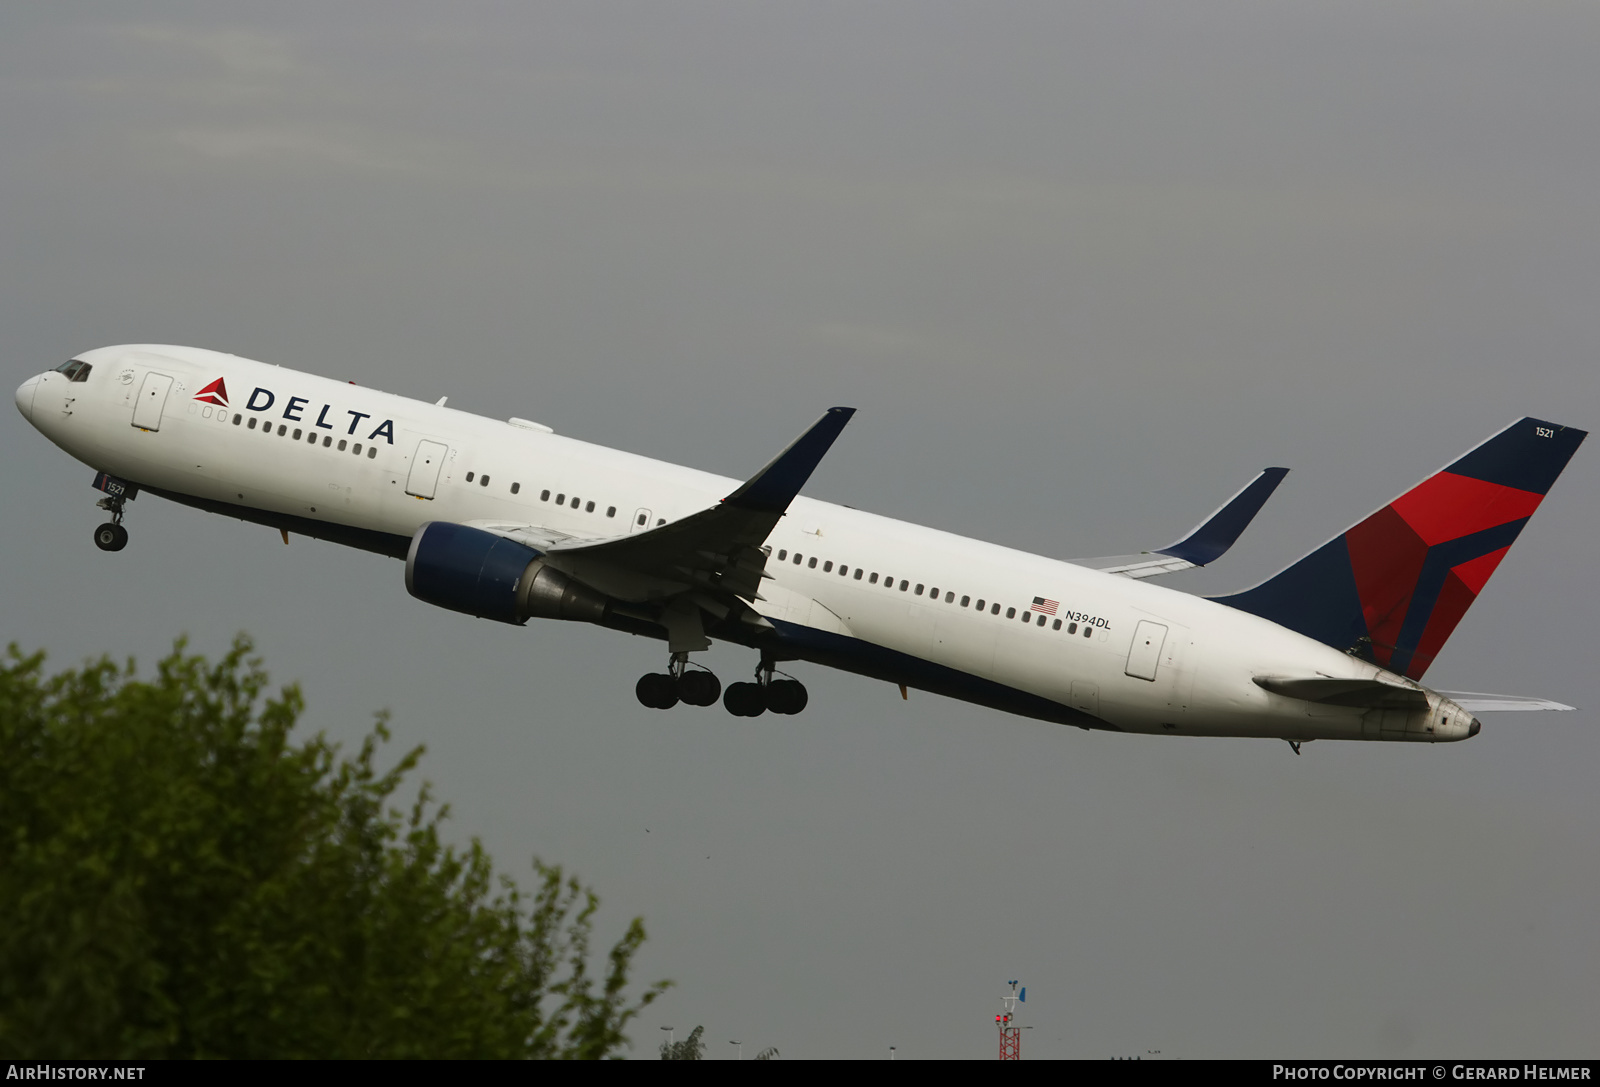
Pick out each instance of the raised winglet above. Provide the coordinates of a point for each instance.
(1206, 542)
(775, 486)
(1213, 536)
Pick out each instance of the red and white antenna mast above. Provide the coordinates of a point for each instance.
(1006, 1023)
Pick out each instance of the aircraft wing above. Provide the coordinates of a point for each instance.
(1476, 702)
(1205, 543)
(717, 549)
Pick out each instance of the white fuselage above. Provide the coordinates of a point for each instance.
(334, 454)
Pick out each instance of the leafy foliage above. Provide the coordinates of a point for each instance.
(690, 1049)
(180, 879)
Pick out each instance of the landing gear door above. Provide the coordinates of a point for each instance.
(1145, 654)
(152, 401)
(425, 465)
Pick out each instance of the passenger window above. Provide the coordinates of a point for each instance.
(561, 500)
(949, 598)
(827, 567)
(919, 588)
(589, 508)
(611, 511)
(995, 610)
(357, 449)
(1056, 625)
(660, 521)
(469, 477)
(297, 434)
(843, 569)
(325, 442)
(903, 584)
(1039, 621)
(933, 594)
(783, 556)
(342, 445)
(873, 580)
(965, 600)
(372, 451)
(575, 501)
(1072, 628)
(252, 423)
(812, 565)
(1088, 632)
(981, 605)
(544, 496)
(1011, 613)
(236, 418)
(859, 572)
(282, 430)
(1027, 617)
(515, 487)
(483, 481)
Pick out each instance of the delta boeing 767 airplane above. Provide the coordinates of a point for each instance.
(509, 521)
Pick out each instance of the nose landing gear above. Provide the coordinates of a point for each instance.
(111, 536)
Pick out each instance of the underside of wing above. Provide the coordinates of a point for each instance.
(1205, 543)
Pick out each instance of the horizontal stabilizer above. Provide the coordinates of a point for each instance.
(1475, 702)
(1367, 693)
(1205, 543)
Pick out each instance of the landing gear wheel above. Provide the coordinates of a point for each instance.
(786, 696)
(745, 699)
(699, 688)
(111, 537)
(657, 690)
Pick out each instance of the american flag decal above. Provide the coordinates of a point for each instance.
(1046, 606)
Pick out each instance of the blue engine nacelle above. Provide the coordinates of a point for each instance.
(469, 570)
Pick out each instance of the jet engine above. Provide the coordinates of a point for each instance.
(469, 570)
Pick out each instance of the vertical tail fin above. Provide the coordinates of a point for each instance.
(1392, 588)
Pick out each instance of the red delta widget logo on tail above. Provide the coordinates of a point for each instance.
(1392, 588)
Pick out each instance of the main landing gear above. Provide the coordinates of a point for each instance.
(111, 536)
(663, 690)
(698, 687)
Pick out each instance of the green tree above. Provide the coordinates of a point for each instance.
(179, 878)
(690, 1049)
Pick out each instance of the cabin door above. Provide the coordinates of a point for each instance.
(152, 401)
(425, 465)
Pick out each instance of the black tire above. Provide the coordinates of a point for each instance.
(786, 696)
(744, 700)
(699, 688)
(656, 690)
(111, 537)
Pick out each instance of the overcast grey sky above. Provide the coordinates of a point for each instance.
(1083, 268)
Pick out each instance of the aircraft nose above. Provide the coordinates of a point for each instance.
(25, 393)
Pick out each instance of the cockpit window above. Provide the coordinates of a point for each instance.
(75, 369)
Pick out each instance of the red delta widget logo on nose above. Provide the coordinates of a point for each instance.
(214, 393)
